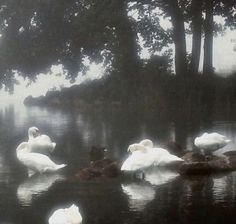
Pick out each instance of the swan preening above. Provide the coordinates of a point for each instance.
(36, 162)
(144, 155)
(69, 215)
(31, 154)
(211, 141)
(39, 143)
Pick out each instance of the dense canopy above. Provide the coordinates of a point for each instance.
(36, 34)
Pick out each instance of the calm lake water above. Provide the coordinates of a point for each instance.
(163, 197)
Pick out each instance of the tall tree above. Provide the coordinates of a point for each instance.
(179, 37)
(208, 41)
(196, 16)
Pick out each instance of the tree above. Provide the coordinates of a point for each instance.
(196, 17)
(208, 42)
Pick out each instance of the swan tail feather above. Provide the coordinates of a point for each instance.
(53, 147)
(61, 166)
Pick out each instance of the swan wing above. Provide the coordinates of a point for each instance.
(136, 161)
(41, 144)
(44, 138)
(211, 141)
(37, 162)
(169, 159)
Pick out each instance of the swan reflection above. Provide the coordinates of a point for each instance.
(139, 195)
(157, 176)
(36, 185)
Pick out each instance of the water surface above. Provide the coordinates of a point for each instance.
(163, 197)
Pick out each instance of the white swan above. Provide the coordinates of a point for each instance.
(143, 157)
(211, 141)
(69, 215)
(39, 143)
(36, 162)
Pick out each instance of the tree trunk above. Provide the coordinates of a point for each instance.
(127, 63)
(197, 34)
(127, 53)
(177, 20)
(208, 42)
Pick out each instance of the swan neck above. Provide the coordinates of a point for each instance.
(30, 135)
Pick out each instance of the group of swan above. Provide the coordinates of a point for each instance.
(144, 155)
(31, 154)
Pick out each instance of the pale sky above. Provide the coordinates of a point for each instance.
(46, 82)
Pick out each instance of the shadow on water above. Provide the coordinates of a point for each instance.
(162, 198)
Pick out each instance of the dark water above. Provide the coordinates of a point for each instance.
(164, 197)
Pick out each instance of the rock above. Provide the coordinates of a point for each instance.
(99, 166)
(97, 153)
(89, 173)
(232, 161)
(189, 168)
(196, 163)
(219, 164)
(193, 157)
(111, 170)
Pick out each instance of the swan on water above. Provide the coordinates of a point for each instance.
(40, 143)
(142, 157)
(211, 141)
(36, 162)
(69, 215)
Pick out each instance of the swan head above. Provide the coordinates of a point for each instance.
(136, 147)
(147, 143)
(33, 132)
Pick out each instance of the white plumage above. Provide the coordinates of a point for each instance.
(35, 161)
(39, 143)
(143, 157)
(69, 215)
(211, 141)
